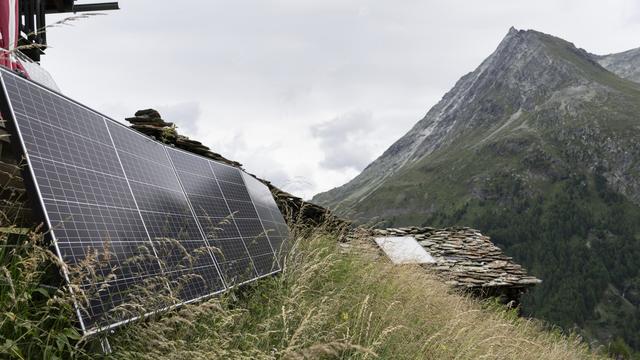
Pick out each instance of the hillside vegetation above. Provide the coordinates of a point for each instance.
(331, 301)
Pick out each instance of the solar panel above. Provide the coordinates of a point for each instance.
(160, 226)
(216, 218)
(272, 220)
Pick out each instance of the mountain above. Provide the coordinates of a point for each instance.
(625, 64)
(537, 147)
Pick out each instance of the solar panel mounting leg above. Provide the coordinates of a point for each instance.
(106, 347)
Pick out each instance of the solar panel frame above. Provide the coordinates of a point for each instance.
(60, 100)
(17, 130)
(54, 237)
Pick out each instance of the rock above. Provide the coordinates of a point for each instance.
(149, 113)
(149, 121)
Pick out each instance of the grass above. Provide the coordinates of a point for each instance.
(331, 301)
(36, 321)
(342, 302)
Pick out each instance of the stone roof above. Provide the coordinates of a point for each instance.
(295, 209)
(464, 257)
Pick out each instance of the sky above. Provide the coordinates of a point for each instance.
(304, 93)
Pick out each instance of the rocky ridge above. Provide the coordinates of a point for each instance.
(521, 61)
(625, 64)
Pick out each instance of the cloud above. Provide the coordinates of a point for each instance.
(260, 160)
(343, 140)
(635, 17)
(185, 114)
(271, 69)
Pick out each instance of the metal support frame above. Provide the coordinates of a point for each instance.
(96, 7)
(104, 344)
(32, 21)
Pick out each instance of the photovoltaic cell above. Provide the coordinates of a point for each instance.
(155, 223)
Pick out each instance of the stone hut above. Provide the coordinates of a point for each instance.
(466, 260)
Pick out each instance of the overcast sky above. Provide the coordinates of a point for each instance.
(304, 93)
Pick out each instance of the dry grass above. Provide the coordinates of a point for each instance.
(331, 303)
(36, 320)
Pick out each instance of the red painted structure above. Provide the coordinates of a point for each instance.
(23, 36)
(9, 33)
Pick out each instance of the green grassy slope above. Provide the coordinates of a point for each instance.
(337, 303)
(331, 302)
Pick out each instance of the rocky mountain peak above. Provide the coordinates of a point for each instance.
(527, 66)
(528, 71)
(527, 59)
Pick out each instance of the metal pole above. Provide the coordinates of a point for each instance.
(106, 347)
